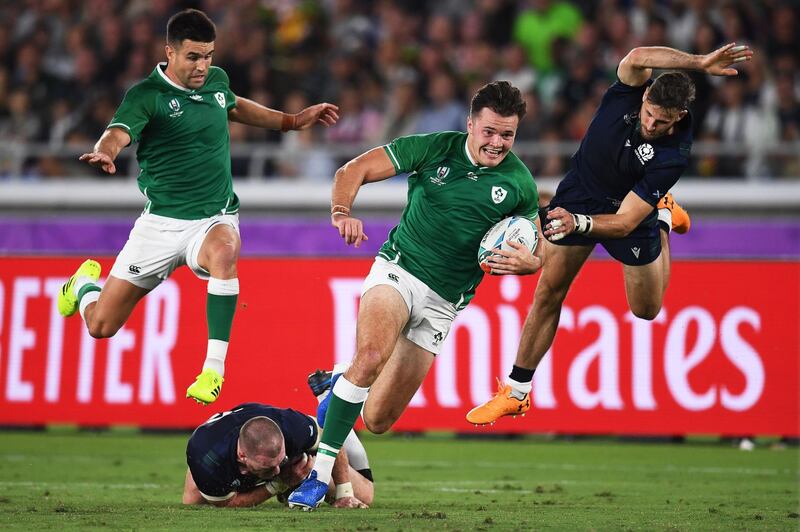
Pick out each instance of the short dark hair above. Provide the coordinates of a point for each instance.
(190, 24)
(261, 436)
(672, 90)
(501, 97)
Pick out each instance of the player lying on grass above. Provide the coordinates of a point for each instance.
(459, 186)
(616, 195)
(252, 452)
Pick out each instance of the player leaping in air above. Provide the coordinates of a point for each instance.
(179, 115)
(616, 194)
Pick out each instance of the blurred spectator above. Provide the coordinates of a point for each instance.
(445, 110)
(647, 16)
(740, 124)
(783, 36)
(516, 69)
(359, 123)
(300, 157)
(403, 110)
(539, 23)
(20, 124)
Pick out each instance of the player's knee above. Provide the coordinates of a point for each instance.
(646, 311)
(224, 251)
(377, 426)
(365, 367)
(99, 328)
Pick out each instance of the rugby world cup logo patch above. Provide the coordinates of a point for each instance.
(442, 172)
(175, 106)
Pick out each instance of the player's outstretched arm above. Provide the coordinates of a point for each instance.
(252, 113)
(106, 150)
(630, 214)
(193, 496)
(368, 167)
(637, 67)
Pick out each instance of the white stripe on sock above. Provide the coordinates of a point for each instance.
(520, 387)
(347, 391)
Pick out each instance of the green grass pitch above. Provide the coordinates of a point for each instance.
(112, 480)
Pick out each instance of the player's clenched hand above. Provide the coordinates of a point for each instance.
(718, 62)
(349, 502)
(324, 113)
(560, 223)
(99, 160)
(518, 261)
(351, 229)
(294, 474)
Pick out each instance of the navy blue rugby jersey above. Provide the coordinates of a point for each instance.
(614, 159)
(211, 451)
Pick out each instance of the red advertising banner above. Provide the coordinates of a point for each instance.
(723, 356)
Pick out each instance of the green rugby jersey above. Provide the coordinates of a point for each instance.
(184, 146)
(452, 202)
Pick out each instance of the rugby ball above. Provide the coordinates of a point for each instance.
(514, 228)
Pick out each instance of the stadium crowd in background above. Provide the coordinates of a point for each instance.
(398, 67)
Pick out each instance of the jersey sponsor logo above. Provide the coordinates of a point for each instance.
(499, 194)
(472, 176)
(134, 269)
(220, 97)
(636, 251)
(196, 97)
(657, 194)
(175, 105)
(394, 277)
(627, 143)
(438, 337)
(630, 118)
(645, 152)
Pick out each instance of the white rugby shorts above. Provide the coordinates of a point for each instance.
(430, 315)
(158, 245)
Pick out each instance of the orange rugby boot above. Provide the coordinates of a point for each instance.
(502, 404)
(680, 218)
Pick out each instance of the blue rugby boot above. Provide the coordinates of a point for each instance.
(320, 382)
(309, 494)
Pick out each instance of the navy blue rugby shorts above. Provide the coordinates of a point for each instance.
(641, 247)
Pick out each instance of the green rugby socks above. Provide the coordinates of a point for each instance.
(220, 308)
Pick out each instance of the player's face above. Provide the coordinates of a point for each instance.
(264, 467)
(189, 62)
(657, 121)
(490, 136)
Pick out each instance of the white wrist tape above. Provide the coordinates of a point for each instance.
(344, 490)
(583, 223)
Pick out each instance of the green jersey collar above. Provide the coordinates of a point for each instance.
(166, 79)
(469, 155)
